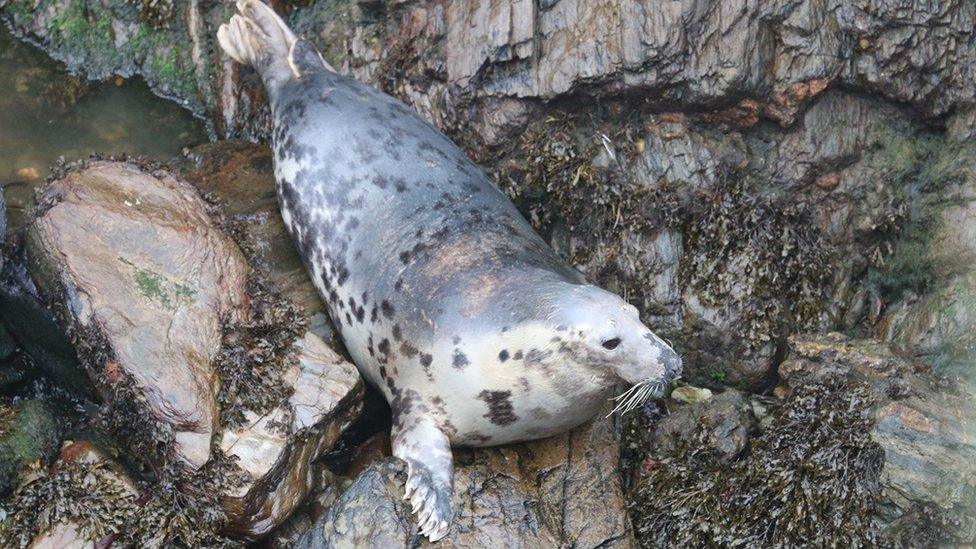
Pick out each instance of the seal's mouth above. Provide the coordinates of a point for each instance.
(638, 394)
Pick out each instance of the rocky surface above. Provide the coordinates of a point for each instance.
(276, 450)
(553, 493)
(863, 446)
(143, 281)
(740, 171)
(29, 432)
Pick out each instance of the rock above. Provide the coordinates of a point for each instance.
(28, 432)
(3, 223)
(239, 177)
(34, 328)
(680, 53)
(276, 451)
(556, 492)
(143, 281)
(7, 345)
(813, 358)
(925, 427)
(931, 277)
(726, 417)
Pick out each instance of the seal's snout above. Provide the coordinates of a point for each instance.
(671, 361)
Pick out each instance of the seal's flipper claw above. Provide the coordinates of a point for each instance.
(430, 473)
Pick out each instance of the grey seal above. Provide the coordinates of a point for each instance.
(449, 303)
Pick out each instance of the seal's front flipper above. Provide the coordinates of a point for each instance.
(418, 441)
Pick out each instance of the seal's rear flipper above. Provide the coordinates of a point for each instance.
(430, 472)
(256, 36)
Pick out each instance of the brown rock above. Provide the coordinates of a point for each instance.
(144, 280)
(828, 182)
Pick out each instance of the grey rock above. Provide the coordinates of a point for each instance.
(726, 417)
(275, 451)
(555, 492)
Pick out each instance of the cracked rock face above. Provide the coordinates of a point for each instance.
(143, 280)
(275, 451)
(557, 492)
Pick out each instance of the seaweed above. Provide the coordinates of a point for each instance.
(811, 478)
(762, 255)
(180, 510)
(257, 351)
(88, 494)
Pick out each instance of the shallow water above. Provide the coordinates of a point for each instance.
(45, 114)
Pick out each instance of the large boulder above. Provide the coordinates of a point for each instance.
(275, 451)
(142, 281)
(558, 492)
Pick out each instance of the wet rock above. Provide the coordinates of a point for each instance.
(239, 177)
(142, 281)
(556, 492)
(29, 432)
(768, 58)
(35, 330)
(924, 426)
(276, 451)
(7, 345)
(726, 417)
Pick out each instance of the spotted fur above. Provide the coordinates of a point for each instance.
(449, 303)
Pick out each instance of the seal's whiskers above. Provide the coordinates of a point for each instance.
(633, 397)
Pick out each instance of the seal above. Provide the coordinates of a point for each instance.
(449, 303)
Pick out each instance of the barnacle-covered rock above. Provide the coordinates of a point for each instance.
(556, 492)
(142, 281)
(275, 450)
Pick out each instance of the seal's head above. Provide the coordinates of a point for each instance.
(605, 333)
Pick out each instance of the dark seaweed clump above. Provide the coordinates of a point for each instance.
(811, 479)
(88, 494)
(784, 257)
(551, 172)
(257, 351)
(180, 512)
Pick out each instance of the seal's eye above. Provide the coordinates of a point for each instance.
(611, 344)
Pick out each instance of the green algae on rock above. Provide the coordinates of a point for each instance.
(29, 432)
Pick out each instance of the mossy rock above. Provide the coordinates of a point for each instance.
(29, 431)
